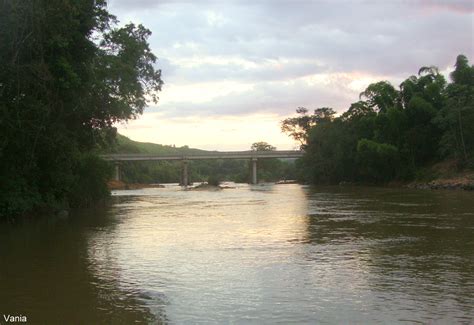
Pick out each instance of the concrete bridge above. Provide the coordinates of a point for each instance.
(252, 155)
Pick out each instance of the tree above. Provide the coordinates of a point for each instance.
(299, 127)
(456, 118)
(380, 96)
(67, 75)
(357, 111)
(377, 162)
(330, 153)
(463, 74)
(391, 133)
(429, 85)
(262, 146)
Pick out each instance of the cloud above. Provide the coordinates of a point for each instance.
(206, 69)
(242, 57)
(394, 37)
(458, 6)
(276, 97)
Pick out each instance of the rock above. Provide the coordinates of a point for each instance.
(204, 187)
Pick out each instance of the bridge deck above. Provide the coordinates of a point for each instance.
(206, 155)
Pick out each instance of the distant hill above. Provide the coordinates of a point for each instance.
(127, 145)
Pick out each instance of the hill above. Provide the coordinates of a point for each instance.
(127, 145)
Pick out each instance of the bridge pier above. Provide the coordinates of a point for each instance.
(254, 170)
(117, 171)
(184, 175)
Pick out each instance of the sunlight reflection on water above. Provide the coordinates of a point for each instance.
(288, 253)
(258, 254)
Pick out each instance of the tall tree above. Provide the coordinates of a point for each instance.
(299, 127)
(380, 96)
(67, 75)
(391, 133)
(457, 116)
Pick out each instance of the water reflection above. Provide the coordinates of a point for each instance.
(414, 249)
(48, 275)
(259, 254)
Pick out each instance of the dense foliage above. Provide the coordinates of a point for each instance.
(390, 133)
(67, 75)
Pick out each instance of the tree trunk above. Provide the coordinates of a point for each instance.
(461, 132)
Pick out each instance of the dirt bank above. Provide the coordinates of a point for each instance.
(445, 175)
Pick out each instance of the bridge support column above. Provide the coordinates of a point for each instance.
(117, 171)
(254, 170)
(184, 176)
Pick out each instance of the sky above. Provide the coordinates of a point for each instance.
(233, 70)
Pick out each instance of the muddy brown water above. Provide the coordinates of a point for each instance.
(251, 254)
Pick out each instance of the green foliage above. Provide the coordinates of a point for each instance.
(456, 118)
(67, 75)
(329, 156)
(213, 180)
(90, 176)
(377, 162)
(390, 134)
(299, 127)
(422, 136)
(262, 146)
(380, 96)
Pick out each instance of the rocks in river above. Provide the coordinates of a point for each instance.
(204, 187)
(286, 181)
(119, 185)
(445, 184)
(222, 186)
(210, 187)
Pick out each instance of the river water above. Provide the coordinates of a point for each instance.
(251, 254)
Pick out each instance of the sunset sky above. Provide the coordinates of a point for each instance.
(234, 69)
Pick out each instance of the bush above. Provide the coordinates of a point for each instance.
(91, 175)
(377, 162)
(213, 180)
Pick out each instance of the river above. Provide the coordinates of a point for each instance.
(250, 254)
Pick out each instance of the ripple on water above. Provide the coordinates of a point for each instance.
(260, 254)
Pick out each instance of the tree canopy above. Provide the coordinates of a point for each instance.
(68, 74)
(390, 133)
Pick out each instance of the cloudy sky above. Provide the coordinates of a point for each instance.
(234, 69)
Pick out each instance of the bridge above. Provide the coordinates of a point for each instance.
(252, 155)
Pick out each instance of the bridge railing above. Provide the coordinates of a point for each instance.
(206, 155)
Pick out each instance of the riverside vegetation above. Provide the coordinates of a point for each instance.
(421, 131)
(68, 74)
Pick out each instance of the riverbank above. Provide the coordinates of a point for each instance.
(444, 175)
(119, 185)
(455, 183)
(440, 176)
